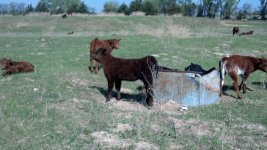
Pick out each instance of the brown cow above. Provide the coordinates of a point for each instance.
(246, 33)
(117, 69)
(235, 31)
(95, 44)
(12, 67)
(240, 65)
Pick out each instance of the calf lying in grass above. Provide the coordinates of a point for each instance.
(117, 69)
(240, 65)
(12, 67)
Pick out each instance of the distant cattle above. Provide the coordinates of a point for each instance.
(240, 65)
(64, 16)
(12, 67)
(95, 44)
(117, 70)
(71, 32)
(235, 31)
(69, 13)
(246, 33)
(198, 69)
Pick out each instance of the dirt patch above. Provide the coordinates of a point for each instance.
(145, 146)
(123, 127)
(22, 24)
(191, 126)
(107, 140)
(127, 106)
(168, 107)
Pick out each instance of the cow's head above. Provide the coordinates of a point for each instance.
(114, 43)
(263, 64)
(5, 63)
(99, 54)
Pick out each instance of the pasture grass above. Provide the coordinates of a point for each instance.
(61, 104)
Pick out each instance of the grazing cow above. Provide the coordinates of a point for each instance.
(235, 31)
(246, 33)
(240, 65)
(95, 44)
(117, 69)
(71, 32)
(198, 69)
(64, 16)
(12, 67)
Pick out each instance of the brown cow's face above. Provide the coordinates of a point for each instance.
(4, 63)
(115, 43)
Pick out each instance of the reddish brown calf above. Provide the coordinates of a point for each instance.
(12, 67)
(246, 33)
(96, 44)
(117, 69)
(240, 65)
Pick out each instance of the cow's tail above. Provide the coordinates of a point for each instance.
(153, 64)
(222, 74)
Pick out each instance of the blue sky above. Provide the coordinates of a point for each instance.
(98, 4)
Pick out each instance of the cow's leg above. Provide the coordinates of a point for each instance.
(91, 68)
(118, 88)
(110, 87)
(148, 81)
(243, 84)
(235, 84)
(96, 67)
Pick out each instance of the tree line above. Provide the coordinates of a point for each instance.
(50, 6)
(204, 8)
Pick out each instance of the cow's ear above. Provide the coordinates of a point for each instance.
(119, 39)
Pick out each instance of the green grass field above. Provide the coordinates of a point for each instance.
(61, 105)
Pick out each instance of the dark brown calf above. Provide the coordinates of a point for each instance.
(96, 44)
(12, 67)
(240, 65)
(235, 31)
(117, 69)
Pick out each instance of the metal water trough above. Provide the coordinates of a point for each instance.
(187, 88)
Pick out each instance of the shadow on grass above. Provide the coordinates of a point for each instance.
(262, 85)
(124, 96)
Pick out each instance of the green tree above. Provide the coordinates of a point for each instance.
(169, 7)
(149, 8)
(83, 8)
(111, 6)
(29, 8)
(263, 10)
(42, 6)
(136, 5)
(124, 9)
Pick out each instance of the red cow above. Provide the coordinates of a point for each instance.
(12, 67)
(240, 65)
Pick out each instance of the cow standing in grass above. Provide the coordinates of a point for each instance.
(240, 65)
(117, 70)
(235, 31)
(95, 44)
